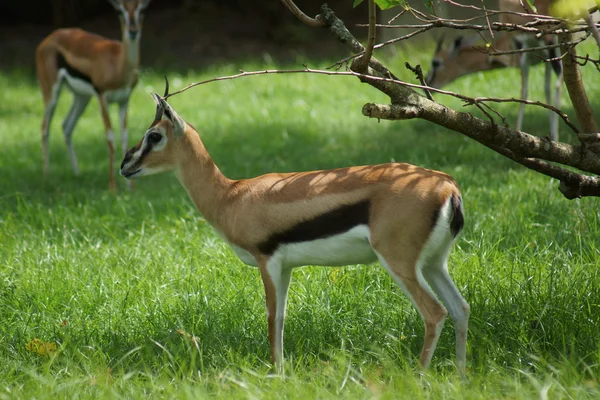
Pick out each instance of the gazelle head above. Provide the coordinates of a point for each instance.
(462, 58)
(158, 149)
(131, 14)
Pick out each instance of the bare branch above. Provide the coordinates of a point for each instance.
(372, 35)
(535, 49)
(487, 20)
(312, 22)
(508, 142)
(367, 77)
(572, 185)
(574, 84)
(590, 23)
(419, 73)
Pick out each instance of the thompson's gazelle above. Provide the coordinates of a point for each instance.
(90, 65)
(402, 215)
(463, 58)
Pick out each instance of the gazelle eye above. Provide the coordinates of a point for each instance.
(154, 137)
(436, 63)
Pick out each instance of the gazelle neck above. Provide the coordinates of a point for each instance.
(204, 182)
(131, 51)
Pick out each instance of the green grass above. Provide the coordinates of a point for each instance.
(112, 277)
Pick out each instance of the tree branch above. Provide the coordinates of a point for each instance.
(364, 61)
(312, 22)
(593, 29)
(574, 84)
(499, 138)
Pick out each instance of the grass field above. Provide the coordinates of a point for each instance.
(113, 279)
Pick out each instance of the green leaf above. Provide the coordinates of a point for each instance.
(357, 2)
(385, 4)
(428, 4)
(530, 3)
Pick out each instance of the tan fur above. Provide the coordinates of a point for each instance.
(404, 199)
(110, 64)
(469, 59)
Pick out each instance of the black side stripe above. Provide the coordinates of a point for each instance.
(458, 219)
(61, 62)
(331, 223)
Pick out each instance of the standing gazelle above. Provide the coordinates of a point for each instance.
(405, 216)
(462, 58)
(91, 66)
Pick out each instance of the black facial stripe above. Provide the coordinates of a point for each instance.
(61, 63)
(331, 223)
(147, 149)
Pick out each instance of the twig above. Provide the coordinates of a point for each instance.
(487, 20)
(590, 23)
(312, 22)
(371, 38)
(534, 49)
(419, 73)
(397, 16)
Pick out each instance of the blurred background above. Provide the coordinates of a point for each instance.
(196, 33)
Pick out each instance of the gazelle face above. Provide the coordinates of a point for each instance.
(131, 14)
(157, 151)
(153, 154)
(446, 64)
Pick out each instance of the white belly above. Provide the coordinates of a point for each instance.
(76, 85)
(118, 95)
(85, 88)
(351, 247)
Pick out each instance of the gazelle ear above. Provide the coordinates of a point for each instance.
(461, 43)
(159, 107)
(439, 44)
(115, 4)
(171, 115)
(145, 4)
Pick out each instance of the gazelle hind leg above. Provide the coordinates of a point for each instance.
(436, 274)
(412, 283)
(77, 108)
(524, 66)
(276, 279)
(110, 141)
(552, 116)
(48, 114)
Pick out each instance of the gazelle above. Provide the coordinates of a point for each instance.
(462, 58)
(404, 216)
(91, 66)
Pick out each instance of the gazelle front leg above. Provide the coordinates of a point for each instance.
(123, 106)
(276, 280)
(80, 102)
(110, 141)
(48, 114)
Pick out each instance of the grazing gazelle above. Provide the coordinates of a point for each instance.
(404, 216)
(462, 58)
(91, 66)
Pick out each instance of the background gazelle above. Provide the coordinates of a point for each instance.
(405, 216)
(462, 58)
(91, 65)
